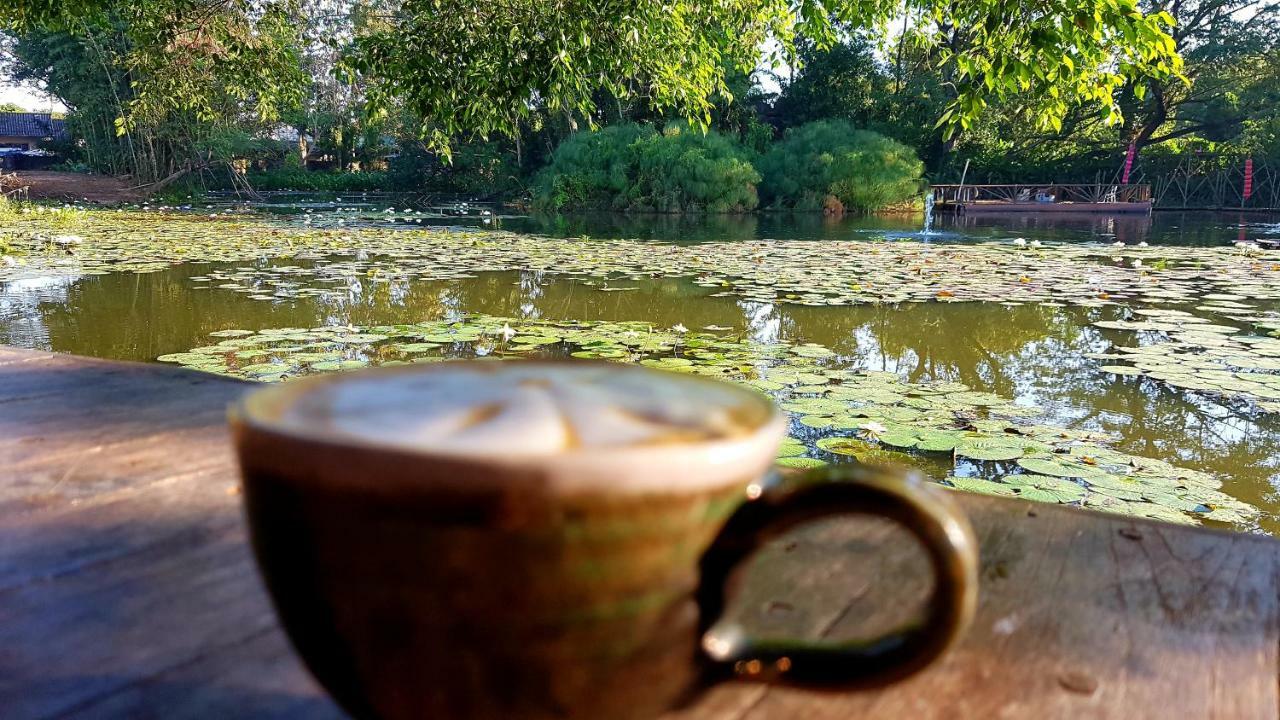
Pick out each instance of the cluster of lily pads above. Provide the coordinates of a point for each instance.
(971, 440)
(800, 272)
(1201, 355)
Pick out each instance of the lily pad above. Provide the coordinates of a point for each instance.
(1120, 370)
(336, 365)
(988, 449)
(978, 485)
(795, 462)
(1058, 468)
(791, 447)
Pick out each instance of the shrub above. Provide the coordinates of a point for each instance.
(320, 181)
(591, 170)
(633, 167)
(829, 164)
(477, 168)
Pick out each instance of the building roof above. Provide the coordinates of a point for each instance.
(32, 125)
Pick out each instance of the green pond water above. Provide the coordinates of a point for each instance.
(1124, 364)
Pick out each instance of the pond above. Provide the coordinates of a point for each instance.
(1124, 364)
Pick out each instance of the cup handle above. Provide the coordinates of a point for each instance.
(782, 504)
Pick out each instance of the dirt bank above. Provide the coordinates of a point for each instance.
(65, 186)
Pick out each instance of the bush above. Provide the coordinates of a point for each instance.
(299, 179)
(590, 170)
(633, 167)
(477, 168)
(831, 165)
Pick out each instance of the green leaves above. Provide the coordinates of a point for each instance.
(479, 69)
(171, 79)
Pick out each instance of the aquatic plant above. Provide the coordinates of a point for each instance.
(634, 167)
(831, 159)
(974, 441)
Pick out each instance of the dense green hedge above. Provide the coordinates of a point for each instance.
(828, 160)
(298, 179)
(634, 167)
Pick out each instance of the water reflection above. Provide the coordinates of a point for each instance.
(415, 210)
(1032, 353)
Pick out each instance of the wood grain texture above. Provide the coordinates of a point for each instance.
(127, 590)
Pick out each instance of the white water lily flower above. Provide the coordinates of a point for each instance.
(1137, 263)
(507, 332)
(1143, 244)
(68, 239)
(1035, 243)
(875, 428)
(1117, 244)
(1019, 241)
(680, 328)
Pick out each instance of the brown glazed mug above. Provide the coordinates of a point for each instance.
(422, 583)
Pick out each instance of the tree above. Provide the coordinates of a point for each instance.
(178, 79)
(539, 69)
(484, 68)
(1228, 104)
(1230, 50)
(902, 96)
(843, 80)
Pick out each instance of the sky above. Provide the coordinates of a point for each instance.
(29, 98)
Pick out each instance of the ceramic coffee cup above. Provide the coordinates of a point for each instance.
(419, 580)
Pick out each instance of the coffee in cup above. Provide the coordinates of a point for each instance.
(548, 539)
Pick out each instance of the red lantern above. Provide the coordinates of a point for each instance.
(1128, 162)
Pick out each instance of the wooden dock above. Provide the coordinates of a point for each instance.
(1044, 198)
(127, 589)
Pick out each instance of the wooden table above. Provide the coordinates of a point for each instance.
(127, 590)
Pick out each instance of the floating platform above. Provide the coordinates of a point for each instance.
(127, 588)
(1056, 207)
(1095, 199)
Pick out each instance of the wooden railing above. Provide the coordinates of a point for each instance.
(1030, 193)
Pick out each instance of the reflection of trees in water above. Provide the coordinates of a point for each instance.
(1036, 354)
(1155, 420)
(140, 316)
(658, 226)
(716, 227)
(966, 342)
(20, 321)
(1128, 227)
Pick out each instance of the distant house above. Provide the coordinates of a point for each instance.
(30, 131)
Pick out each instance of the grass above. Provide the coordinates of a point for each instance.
(59, 217)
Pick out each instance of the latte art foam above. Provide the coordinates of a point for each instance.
(526, 408)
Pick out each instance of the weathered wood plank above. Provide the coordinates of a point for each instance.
(127, 591)
(1104, 618)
